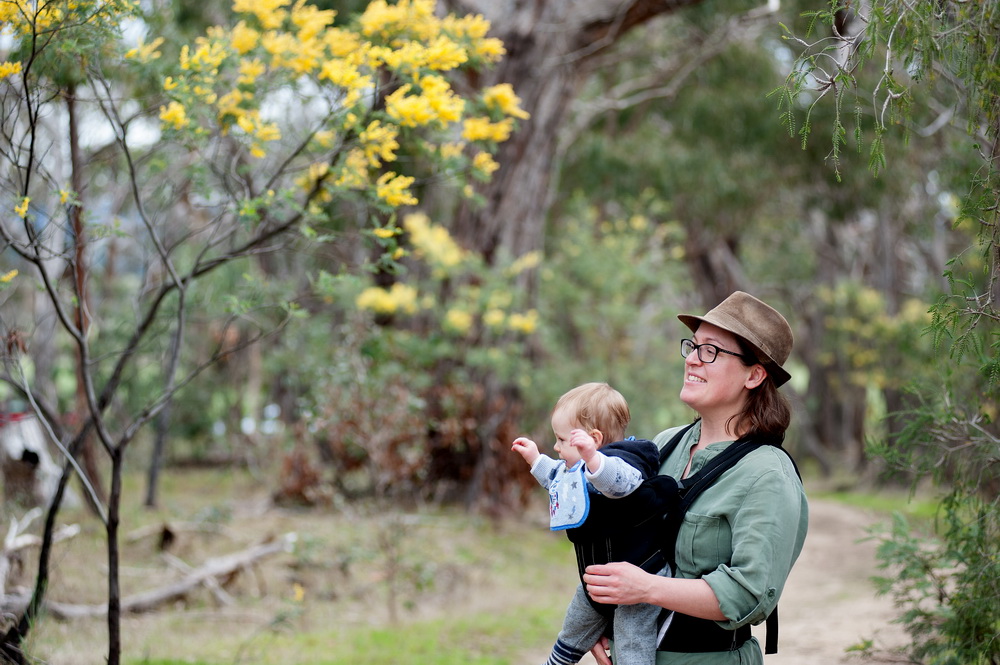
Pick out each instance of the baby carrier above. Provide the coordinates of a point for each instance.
(641, 528)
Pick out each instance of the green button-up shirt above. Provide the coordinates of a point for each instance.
(741, 535)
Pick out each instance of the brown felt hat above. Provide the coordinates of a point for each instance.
(758, 324)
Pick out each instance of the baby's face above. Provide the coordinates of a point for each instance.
(562, 425)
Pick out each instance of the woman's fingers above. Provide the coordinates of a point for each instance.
(600, 652)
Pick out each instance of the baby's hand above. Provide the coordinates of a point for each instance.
(583, 442)
(527, 448)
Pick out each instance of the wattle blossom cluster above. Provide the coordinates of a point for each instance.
(372, 84)
(434, 244)
(481, 302)
(398, 298)
(27, 19)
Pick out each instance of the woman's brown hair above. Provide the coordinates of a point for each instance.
(767, 412)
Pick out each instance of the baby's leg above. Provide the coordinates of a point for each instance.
(582, 627)
(635, 634)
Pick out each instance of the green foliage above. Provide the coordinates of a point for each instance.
(947, 586)
(948, 438)
(952, 437)
(883, 60)
(966, 320)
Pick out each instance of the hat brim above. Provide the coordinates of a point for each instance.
(730, 325)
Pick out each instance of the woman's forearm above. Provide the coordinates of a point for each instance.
(626, 584)
(692, 597)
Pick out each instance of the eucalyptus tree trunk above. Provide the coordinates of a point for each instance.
(549, 44)
(712, 258)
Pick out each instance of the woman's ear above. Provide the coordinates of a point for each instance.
(756, 377)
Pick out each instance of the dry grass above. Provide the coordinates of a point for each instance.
(355, 570)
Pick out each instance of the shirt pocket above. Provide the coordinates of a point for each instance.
(703, 543)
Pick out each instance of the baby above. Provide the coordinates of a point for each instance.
(597, 466)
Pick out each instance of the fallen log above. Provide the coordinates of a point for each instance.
(16, 542)
(208, 574)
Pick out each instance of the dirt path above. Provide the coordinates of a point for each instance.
(829, 602)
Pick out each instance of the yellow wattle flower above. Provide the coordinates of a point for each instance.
(244, 38)
(9, 69)
(485, 163)
(354, 171)
(525, 323)
(268, 12)
(392, 189)
(482, 129)
(145, 52)
(494, 318)
(490, 50)
(473, 26)
(502, 97)
(458, 320)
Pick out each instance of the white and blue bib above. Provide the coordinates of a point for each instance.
(569, 500)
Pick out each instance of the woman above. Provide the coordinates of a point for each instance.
(743, 533)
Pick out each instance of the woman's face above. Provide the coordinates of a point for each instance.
(719, 388)
(562, 425)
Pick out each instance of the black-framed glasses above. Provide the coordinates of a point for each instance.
(707, 353)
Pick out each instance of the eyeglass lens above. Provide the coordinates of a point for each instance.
(707, 353)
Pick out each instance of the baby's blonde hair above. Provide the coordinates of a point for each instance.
(597, 406)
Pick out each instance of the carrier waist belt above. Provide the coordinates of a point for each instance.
(690, 635)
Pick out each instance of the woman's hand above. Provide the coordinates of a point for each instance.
(600, 651)
(618, 583)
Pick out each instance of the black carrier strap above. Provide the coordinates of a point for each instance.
(689, 634)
